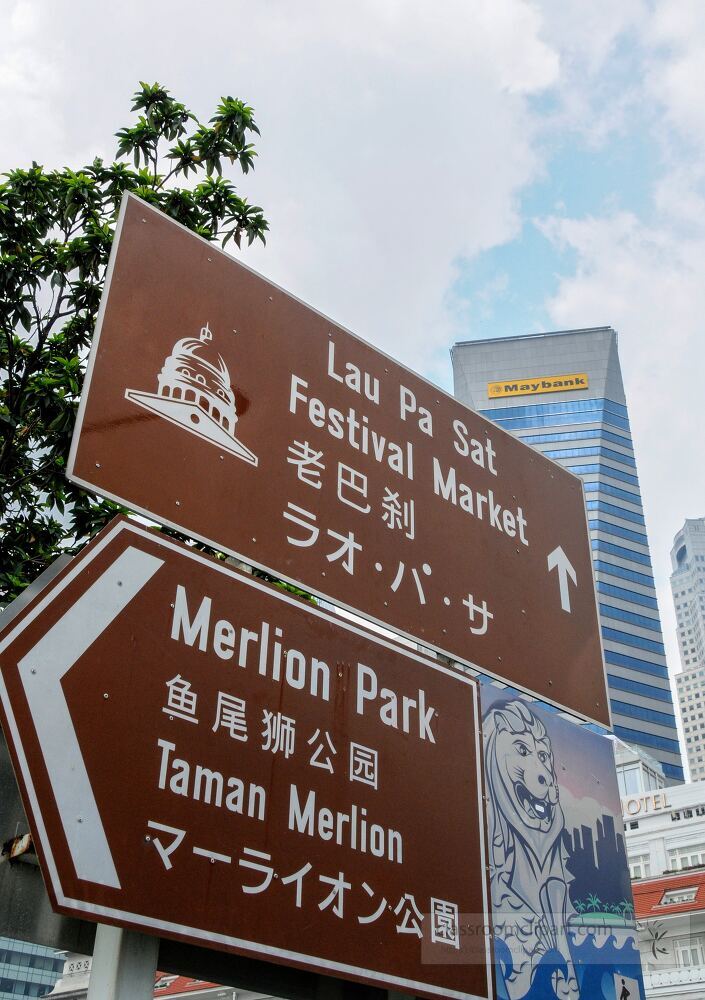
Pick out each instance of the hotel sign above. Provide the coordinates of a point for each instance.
(638, 805)
(223, 407)
(205, 757)
(536, 385)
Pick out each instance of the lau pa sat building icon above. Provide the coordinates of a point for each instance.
(194, 391)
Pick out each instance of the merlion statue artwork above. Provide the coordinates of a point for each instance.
(530, 901)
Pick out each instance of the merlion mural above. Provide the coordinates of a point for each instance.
(528, 880)
(561, 896)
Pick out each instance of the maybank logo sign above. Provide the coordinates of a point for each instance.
(535, 386)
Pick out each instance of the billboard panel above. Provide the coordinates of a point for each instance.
(562, 904)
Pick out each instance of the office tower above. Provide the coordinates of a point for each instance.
(562, 393)
(688, 589)
(27, 970)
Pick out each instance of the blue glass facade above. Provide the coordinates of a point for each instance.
(27, 970)
(592, 438)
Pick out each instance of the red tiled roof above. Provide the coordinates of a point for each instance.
(179, 985)
(649, 892)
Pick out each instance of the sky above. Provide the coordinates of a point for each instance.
(434, 172)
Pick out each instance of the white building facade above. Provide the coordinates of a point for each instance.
(688, 589)
(75, 979)
(665, 840)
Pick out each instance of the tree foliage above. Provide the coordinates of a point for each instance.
(56, 231)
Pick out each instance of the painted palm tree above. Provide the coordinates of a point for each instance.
(627, 910)
(593, 902)
(580, 906)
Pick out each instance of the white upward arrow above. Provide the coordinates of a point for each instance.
(42, 671)
(560, 561)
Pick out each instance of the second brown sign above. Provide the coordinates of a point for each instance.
(205, 757)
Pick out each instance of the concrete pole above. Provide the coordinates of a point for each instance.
(124, 965)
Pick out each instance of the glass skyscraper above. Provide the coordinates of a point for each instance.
(27, 970)
(562, 393)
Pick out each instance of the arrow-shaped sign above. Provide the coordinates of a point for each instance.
(42, 670)
(560, 561)
(146, 816)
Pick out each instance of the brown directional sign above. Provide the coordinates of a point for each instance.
(203, 756)
(219, 404)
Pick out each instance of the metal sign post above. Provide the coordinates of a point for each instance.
(124, 965)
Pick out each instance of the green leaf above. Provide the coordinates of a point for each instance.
(56, 230)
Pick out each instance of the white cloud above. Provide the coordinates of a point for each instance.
(395, 136)
(648, 282)
(675, 77)
(594, 96)
(30, 90)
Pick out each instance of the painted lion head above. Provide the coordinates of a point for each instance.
(521, 778)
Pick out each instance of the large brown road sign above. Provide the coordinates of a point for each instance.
(219, 404)
(205, 757)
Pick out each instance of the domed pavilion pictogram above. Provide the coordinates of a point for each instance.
(195, 392)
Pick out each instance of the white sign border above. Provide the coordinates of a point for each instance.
(248, 558)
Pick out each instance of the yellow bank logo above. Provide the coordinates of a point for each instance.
(534, 386)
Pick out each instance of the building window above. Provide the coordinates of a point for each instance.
(686, 857)
(673, 896)
(640, 866)
(628, 779)
(690, 951)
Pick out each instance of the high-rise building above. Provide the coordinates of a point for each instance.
(688, 589)
(562, 393)
(27, 970)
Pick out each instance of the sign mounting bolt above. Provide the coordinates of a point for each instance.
(106, 695)
(178, 504)
(97, 465)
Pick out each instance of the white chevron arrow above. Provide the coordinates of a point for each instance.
(560, 561)
(42, 670)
